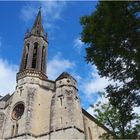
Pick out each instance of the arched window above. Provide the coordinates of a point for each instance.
(90, 134)
(61, 101)
(34, 60)
(18, 111)
(43, 58)
(12, 130)
(26, 55)
(16, 131)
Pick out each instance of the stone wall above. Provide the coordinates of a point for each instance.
(35, 95)
(92, 128)
(67, 134)
(2, 120)
(52, 111)
(66, 114)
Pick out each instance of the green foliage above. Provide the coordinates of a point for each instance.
(112, 33)
(122, 123)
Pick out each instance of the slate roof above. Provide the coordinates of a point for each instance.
(38, 25)
(64, 75)
(5, 98)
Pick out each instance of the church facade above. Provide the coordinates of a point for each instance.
(41, 108)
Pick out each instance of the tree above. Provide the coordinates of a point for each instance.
(112, 33)
(108, 115)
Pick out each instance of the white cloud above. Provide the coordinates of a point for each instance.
(53, 8)
(7, 77)
(78, 44)
(28, 12)
(102, 100)
(8, 72)
(57, 65)
(94, 83)
(137, 110)
(51, 11)
(77, 77)
(90, 111)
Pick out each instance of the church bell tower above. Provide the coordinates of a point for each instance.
(35, 51)
(32, 96)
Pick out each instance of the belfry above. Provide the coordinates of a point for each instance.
(40, 108)
(35, 50)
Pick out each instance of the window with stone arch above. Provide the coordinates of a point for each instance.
(12, 130)
(26, 55)
(18, 111)
(34, 59)
(60, 100)
(16, 129)
(43, 58)
(89, 132)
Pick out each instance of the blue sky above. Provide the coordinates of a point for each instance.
(66, 52)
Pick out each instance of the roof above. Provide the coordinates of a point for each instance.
(37, 28)
(64, 75)
(96, 121)
(5, 98)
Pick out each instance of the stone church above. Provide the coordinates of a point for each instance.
(41, 108)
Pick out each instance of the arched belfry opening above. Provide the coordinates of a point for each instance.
(90, 133)
(43, 58)
(35, 53)
(26, 55)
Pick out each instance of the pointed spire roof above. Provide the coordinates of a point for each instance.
(64, 75)
(37, 28)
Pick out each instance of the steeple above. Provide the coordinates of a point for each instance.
(35, 50)
(37, 28)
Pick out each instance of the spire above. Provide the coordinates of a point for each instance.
(35, 51)
(37, 28)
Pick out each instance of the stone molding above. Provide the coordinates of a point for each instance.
(31, 73)
(45, 134)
